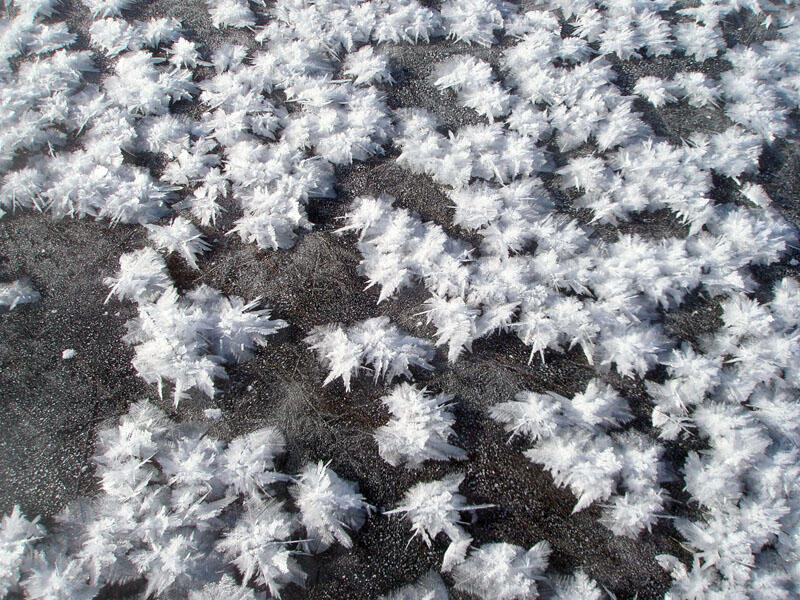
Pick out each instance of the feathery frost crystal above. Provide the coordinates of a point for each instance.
(375, 342)
(418, 429)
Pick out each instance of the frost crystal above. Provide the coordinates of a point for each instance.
(474, 21)
(257, 545)
(142, 277)
(185, 339)
(159, 516)
(367, 67)
(430, 587)
(570, 442)
(16, 293)
(328, 505)
(17, 536)
(434, 507)
(107, 8)
(654, 91)
(225, 588)
(230, 13)
(419, 428)
(473, 81)
(576, 586)
(374, 342)
(59, 578)
(263, 121)
(180, 236)
(248, 463)
(502, 571)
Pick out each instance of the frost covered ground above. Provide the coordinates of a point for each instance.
(383, 299)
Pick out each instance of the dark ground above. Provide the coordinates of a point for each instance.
(51, 407)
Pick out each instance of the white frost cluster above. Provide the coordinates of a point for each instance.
(328, 506)
(435, 507)
(17, 536)
(418, 429)
(738, 395)
(398, 248)
(185, 339)
(48, 103)
(114, 36)
(578, 585)
(696, 88)
(484, 151)
(375, 342)
(107, 8)
(17, 292)
(230, 13)
(429, 587)
(226, 587)
(502, 571)
(761, 89)
(472, 79)
(472, 298)
(158, 515)
(180, 236)
(654, 91)
(474, 21)
(258, 546)
(179, 509)
(269, 126)
(571, 442)
(367, 67)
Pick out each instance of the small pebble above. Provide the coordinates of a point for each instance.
(68, 354)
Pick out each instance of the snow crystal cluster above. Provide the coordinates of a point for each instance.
(17, 292)
(418, 429)
(608, 297)
(435, 507)
(185, 512)
(151, 127)
(186, 339)
(328, 505)
(572, 443)
(430, 587)
(502, 571)
(376, 342)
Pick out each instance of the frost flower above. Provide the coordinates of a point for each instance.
(433, 507)
(17, 292)
(180, 236)
(502, 571)
(17, 536)
(328, 505)
(142, 276)
(258, 546)
(375, 342)
(418, 429)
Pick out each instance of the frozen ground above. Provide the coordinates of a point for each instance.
(52, 407)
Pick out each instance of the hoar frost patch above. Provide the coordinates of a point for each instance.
(155, 126)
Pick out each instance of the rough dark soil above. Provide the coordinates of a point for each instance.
(49, 407)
